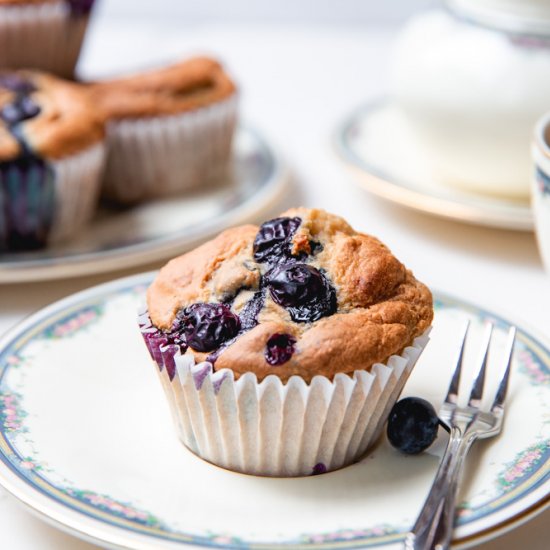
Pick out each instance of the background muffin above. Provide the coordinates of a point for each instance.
(309, 331)
(169, 130)
(51, 157)
(43, 34)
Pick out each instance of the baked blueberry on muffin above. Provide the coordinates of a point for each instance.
(51, 156)
(169, 130)
(43, 34)
(283, 347)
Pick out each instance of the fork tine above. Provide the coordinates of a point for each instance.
(477, 388)
(452, 392)
(500, 396)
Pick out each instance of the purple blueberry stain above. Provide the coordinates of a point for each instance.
(217, 384)
(27, 182)
(200, 376)
(279, 349)
(168, 359)
(319, 468)
(79, 8)
(303, 290)
(153, 343)
(162, 346)
(273, 240)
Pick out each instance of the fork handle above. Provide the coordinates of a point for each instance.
(434, 527)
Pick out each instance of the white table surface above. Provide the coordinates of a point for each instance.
(297, 83)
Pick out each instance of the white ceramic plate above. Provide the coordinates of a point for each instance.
(86, 441)
(381, 149)
(122, 238)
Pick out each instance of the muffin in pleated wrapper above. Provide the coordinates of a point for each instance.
(169, 130)
(271, 428)
(48, 202)
(165, 155)
(282, 348)
(52, 155)
(44, 35)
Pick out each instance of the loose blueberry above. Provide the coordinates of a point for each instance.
(303, 290)
(412, 425)
(272, 242)
(279, 349)
(207, 326)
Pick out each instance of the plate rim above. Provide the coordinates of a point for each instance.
(141, 253)
(114, 536)
(375, 181)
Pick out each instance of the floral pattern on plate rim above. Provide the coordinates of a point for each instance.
(514, 473)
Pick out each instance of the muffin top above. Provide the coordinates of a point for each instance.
(185, 86)
(44, 115)
(304, 294)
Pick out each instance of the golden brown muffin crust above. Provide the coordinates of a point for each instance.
(179, 88)
(381, 307)
(67, 122)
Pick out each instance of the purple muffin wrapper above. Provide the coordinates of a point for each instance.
(162, 156)
(46, 36)
(277, 429)
(45, 202)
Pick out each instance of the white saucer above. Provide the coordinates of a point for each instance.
(378, 145)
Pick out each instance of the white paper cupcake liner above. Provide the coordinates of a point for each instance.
(43, 36)
(77, 186)
(161, 156)
(273, 429)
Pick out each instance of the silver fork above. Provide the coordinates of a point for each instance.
(434, 527)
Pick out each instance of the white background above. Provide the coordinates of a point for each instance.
(302, 66)
(333, 12)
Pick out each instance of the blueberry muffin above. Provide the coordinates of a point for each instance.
(169, 130)
(51, 157)
(295, 337)
(43, 34)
